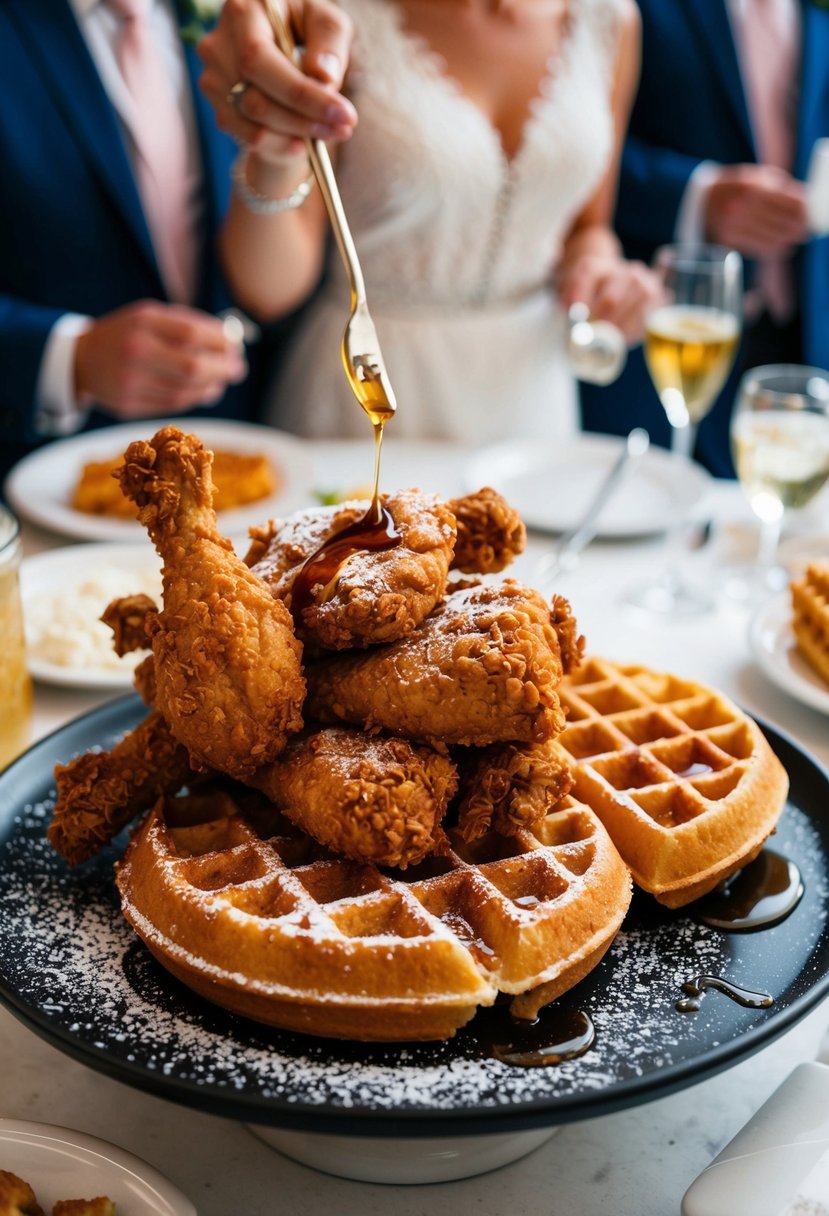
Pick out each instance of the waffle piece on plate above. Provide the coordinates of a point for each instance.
(257, 918)
(684, 781)
(810, 616)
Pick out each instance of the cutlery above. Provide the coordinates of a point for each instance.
(360, 350)
(566, 550)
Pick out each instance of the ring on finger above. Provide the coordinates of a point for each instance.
(236, 92)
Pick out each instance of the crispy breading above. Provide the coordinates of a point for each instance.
(16, 1197)
(99, 793)
(491, 533)
(483, 668)
(378, 596)
(227, 662)
(100, 1206)
(371, 798)
(128, 617)
(510, 786)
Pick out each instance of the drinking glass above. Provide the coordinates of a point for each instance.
(597, 349)
(780, 443)
(15, 684)
(691, 336)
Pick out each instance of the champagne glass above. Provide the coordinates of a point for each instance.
(691, 336)
(780, 442)
(597, 349)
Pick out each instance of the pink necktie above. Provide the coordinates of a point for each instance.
(770, 51)
(161, 142)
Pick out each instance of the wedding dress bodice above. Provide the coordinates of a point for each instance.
(439, 213)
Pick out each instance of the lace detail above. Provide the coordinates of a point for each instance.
(451, 216)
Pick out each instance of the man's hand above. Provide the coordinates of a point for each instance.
(153, 358)
(757, 210)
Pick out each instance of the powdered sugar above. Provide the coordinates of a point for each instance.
(71, 965)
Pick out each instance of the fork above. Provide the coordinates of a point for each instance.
(360, 348)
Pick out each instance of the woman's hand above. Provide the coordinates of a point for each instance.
(281, 104)
(613, 289)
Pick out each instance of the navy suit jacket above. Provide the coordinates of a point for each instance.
(690, 107)
(72, 231)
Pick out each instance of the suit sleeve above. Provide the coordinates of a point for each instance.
(24, 329)
(659, 175)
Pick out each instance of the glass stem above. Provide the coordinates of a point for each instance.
(683, 440)
(770, 530)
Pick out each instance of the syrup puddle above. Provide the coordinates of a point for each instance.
(760, 895)
(554, 1036)
(696, 988)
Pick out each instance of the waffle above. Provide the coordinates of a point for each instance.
(685, 782)
(257, 918)
(810, 619)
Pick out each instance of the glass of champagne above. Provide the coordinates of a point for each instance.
(780, 442)
(691, 336)
(691, 340)
(15, 684)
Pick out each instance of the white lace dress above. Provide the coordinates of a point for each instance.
(457, 243)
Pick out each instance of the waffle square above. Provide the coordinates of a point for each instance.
(684, 781)
(810, 616)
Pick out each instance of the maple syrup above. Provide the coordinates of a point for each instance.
(696, 989)
(760, 895)
(556, 1035)
(374, 532)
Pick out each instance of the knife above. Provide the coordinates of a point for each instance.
(566, 550)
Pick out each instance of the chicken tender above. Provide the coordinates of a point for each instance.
(483, 668)
(373, 799)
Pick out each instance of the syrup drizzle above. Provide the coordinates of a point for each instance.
(316, 578)
(760, 895)
(554, 1036)
(696, 988)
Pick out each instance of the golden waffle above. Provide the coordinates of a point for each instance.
(685, 782)
(256, 917)
(810, 620)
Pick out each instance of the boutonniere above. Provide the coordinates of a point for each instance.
(198, 17)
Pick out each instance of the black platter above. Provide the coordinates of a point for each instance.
(72, 970)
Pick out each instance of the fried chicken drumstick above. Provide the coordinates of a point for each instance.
(227, 663)
(99, 793)
(483, 668)
(510, 786)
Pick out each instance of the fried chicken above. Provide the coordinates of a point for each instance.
(510, 786)
(378, 596)
(483, 668)
(99, 793)
(129, 618)
(16, 1197)
(227, 662)
(490, 532)
(371, 798)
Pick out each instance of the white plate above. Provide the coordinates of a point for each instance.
(40, 486)
(551, 482)
(59, 1164)
(773, 645)
(47, 581)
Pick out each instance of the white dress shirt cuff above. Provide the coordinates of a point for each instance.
(690, 219)
(58, 411)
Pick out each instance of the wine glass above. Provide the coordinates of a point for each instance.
(780, 443)
(691, 339)
(692, 334)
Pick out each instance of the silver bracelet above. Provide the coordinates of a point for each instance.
(263, 204)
